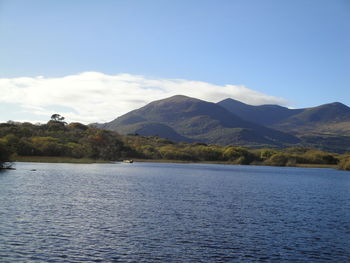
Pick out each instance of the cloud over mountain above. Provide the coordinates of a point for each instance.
(97, 97)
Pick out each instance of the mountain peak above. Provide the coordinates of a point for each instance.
(230, 101)
(231, 122)
(178, 98)
(173, 99)
(184, 118)
(264, 114)
(336, 105)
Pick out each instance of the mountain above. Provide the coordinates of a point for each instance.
(326, 127)
(332, 118)
(182, 118)
(264, 114)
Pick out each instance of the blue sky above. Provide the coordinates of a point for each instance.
(295, 53)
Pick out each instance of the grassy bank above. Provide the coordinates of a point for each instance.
(50, 159)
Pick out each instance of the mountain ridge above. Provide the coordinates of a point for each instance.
(231, 122)
(198, 120)
(317, 120)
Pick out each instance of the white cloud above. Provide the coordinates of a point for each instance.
(97, 97)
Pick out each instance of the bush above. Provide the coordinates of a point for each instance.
(5, 154)
(278, 159)
(318, 157)
(172, 153)
(238, 155)
(266, 153)
(205, 153)
(344, 163)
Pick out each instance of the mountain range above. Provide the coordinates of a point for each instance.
(231, 122)
(332, 118)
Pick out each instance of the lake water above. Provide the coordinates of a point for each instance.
(149, 212)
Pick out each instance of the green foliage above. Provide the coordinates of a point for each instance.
(278, 159)
(150, 152)
(56, 117)
(319, 157)
(344, 163)
(239, 155)
(204, 152)
(265, 154)
(77, 126)
(56, 126)
(295, 156)
(296, 150)
(58, 139)
(5, 154)
(169, 152)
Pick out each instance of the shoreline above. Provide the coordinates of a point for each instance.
(333, 166)
(52, 159)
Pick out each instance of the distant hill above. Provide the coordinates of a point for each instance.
(332, 118)
(326, 127)
(182, 118)
(265, 114)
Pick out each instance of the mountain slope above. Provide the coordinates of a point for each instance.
(264, 114)
(332, 118)
(198, 120)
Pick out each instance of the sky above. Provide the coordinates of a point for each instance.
(92, 61)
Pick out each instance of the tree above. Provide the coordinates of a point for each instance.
(239, 155)
(56, 123)
(278, 159)
(5, 154)
(57, 117)
(266, 153)
(344, 163)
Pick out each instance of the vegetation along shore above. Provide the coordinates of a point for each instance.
(57, 141)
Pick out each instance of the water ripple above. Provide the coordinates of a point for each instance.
(173, 213)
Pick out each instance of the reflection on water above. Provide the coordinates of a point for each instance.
(147, 212)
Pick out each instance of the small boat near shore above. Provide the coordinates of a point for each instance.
(128, 161)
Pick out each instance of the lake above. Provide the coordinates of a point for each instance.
(156, 212)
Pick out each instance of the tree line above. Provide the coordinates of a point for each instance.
(76, 140)
(57, 138)
(158, 148)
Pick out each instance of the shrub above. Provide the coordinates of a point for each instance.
(266, 153)
(278, 159)
(5, 154)
(239, 155)
(344, 163)
(319, 157)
